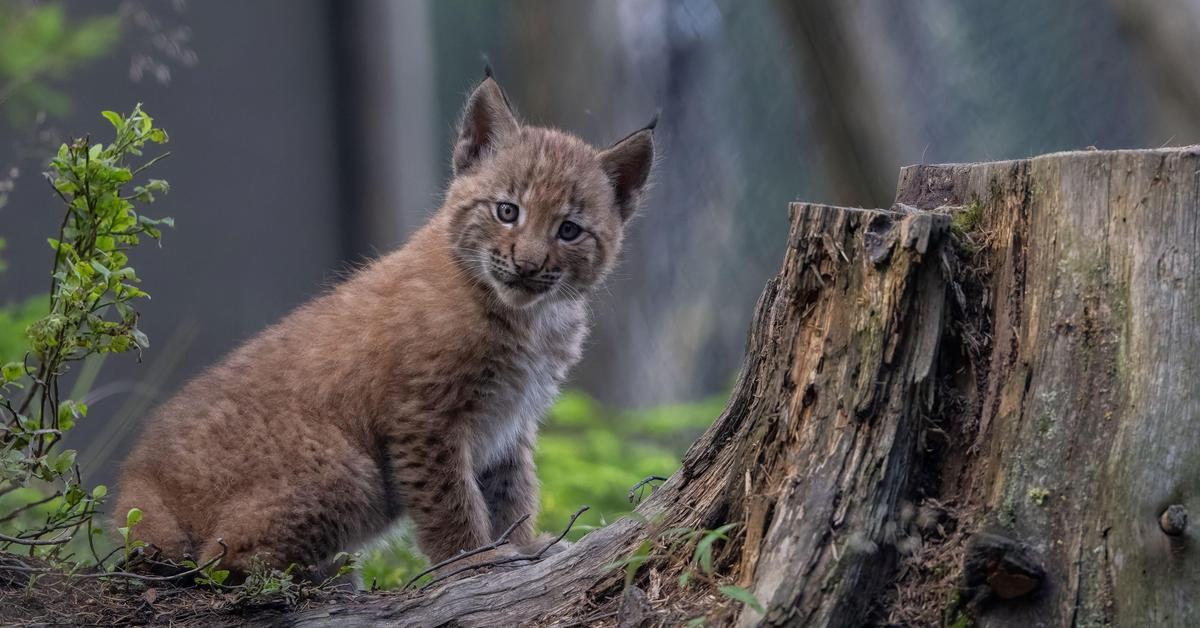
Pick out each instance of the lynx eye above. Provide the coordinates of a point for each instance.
(568, 231)
(507, 213)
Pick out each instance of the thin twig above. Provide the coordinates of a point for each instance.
(13, 514)
(149, 163)
(22, 568)
(19, 541)
(52, 524)
(633, 492)
(502, 540)
(92, 544)
(513, 559)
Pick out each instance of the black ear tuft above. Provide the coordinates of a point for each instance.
(485, 119)
(627, 164)
(653, 121)
(487, 68)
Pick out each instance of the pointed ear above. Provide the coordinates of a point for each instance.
(486, 118)
(627, 164)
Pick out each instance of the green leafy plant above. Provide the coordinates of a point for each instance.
(132, 518)
(702, 542)
(208, 575)
(632, 563)
(742, 595)
(265, 584)
(89, 311)
(700, 565)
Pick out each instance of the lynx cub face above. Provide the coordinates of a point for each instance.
(539, 214)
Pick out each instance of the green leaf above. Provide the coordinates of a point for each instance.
(704, 552)
(13, 371)
(64, 461)
(99, 492)
(743, 596)
(115, 118)
(140, 338)
(133, 517)
(68, 411)
(721, 531)
(119, 344)
(101, 268)
(640, 556)
(634, 561)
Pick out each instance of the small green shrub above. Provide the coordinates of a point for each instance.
(89, 311)
(671, 542)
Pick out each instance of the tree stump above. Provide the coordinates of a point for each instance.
(981, 405)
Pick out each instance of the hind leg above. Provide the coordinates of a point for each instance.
(304, 521)
(276, 539)
(158, 528)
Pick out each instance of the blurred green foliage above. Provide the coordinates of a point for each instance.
(392, 562)
(39, 45)
(587, 454)
(15, 318)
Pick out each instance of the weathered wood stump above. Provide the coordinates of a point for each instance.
(1084, 396)
(980, 405)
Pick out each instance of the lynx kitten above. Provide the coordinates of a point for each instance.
(416, 387)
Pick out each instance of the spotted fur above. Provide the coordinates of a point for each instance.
(414, 388)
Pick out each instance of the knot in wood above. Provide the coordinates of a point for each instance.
(1173, 520)
(1006, 567)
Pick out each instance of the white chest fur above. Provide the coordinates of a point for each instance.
(529, 384)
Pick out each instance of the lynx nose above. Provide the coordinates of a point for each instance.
(526, 268)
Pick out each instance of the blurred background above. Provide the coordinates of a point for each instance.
(310, 135)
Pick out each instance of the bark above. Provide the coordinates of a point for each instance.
(979, 405)
(1088, 402)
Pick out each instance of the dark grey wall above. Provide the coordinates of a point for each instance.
(253, 190)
